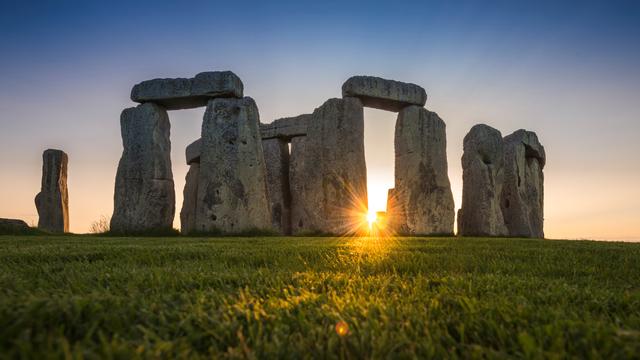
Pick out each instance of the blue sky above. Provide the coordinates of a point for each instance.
(567, 70)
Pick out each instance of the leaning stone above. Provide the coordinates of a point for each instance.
(144, 197)
(482, 179)
(276, 157)
(286, 128)
(328, 172)
(192, 152)
(13, 226)
(232, 189)
(182, 93)
(422, 184)
(53, 200)
(384, 94)
(523, 191)
(190, 195)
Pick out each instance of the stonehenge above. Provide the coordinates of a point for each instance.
(307, 174)
(13, 226)
(502, 191)
(144, 197)
(52, 202)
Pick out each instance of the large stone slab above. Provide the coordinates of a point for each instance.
(276, 157)
(232, 190)
(384, 94)
(190, 198)
(328, 172)
(181, 93)
(192, 152)
(52, 202)
(424, 199)
(523, 191)
(482, 180)
(13, 226)
(286, 128)
(144, 198)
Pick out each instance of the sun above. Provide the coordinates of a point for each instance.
(371, 218)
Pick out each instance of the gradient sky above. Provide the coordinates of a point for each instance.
(570, 72)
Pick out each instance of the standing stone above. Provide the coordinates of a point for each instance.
(144, 198)
(393, 213)
(190, 197)
(523, 193)
(424, 198)
(384, 94)
(328, 171)
(482, 179)
(232, 190)
(276, 157)
(52, 201)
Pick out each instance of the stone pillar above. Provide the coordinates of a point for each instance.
(144, 197)
(190, 195)
(422, 183)
(482, 179)
(328, 172)
(232, 190)
(276, 156)
(52, 201)
(523, 191)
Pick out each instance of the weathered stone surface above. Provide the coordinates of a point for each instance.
(328, 172)
(190, 197)
(384, 94)
(12, 226)
(144, 198)
(482, 180)
(183, 93)
(393, 212)
(422, 187)
(523, 191)
(276, 157)
(232, 190)
(53, 200)
(192, 152)
(286, 128)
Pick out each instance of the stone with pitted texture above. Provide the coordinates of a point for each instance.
(232, 189)
(52, 202)
(144, 198)
(384, 94)
(286, 128)
(523, 191)
(423, 192)
(181, 93)
(482, 181)
(276, 157)
(328, 171)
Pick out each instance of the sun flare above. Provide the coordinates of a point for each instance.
(371, 218)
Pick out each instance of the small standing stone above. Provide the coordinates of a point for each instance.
(53, 200)
(190, 197)
(232, 189)
(482, 179)
(144, 198)
(523, 191)
(424, 199)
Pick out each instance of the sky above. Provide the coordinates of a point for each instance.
(566, 70)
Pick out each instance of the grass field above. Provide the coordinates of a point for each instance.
(273, 297)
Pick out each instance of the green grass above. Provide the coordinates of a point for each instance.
(76, 296)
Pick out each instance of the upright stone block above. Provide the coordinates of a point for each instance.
(482, 180)
(384, 94)
(232, 190)
(190, 196)
(523, 191)
(276, 156)
(144, 198)
(328, 171)
(52, 202)
(424, 199)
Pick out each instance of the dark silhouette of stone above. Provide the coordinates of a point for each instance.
(53, 200)
(482, 180)
(144, 198)
(189, 202)
(13, 226)
(276, 157)
(523, 191)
